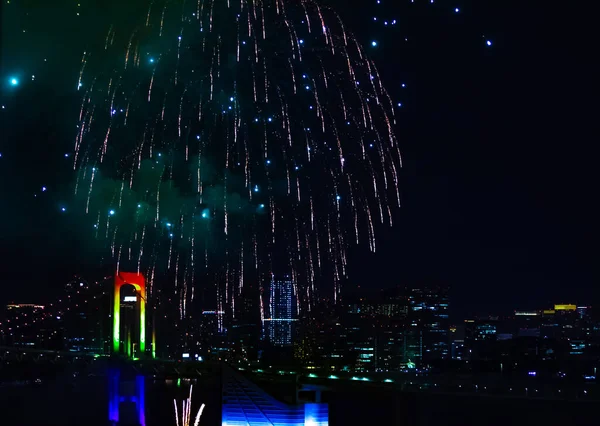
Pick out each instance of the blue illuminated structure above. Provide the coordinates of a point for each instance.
(115, 398)
(245, 404)
(281, 311)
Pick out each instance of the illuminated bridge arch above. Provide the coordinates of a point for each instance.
(138, 281)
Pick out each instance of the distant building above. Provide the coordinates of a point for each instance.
(83, 312)
(212, 343)
(25, 325)
(428, 328)
(280, 323)
(458, 350)
(527, 323)
(244, 333)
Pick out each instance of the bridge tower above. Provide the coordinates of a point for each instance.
(138, 281)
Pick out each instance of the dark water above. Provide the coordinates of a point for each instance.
(422, 409)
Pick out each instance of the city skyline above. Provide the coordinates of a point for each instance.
(474, 216)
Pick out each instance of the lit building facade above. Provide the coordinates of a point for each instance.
(427, 335)
(280, 324)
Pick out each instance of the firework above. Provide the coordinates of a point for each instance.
(186, 410)
(223, 141)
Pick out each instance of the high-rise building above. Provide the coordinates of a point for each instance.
(83, 312)
(428, 325)
(245, 330)
(280, 324)
(213, 342)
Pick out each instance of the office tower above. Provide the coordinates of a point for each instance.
(279, 325)
(83, 312)
(428, 325)
(245, 331)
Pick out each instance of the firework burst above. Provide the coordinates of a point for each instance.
(223, 141)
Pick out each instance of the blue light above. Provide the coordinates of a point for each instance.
(457, 10)
(204, 215)
(338, 198)
(171, 235)
(255, 188)
(111, 212)
(63, 209)
(489, 43)
(301, 42)
(44, 189)
(151, 60)
(139, 206)
(307, 87)
(231, 99)
(14, 81)
(270, 119)
(268, 161)
(374, 43)
(262, 206)
(169, 225)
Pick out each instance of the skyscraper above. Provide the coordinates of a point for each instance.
(279, 326)
(83, 311)
(429, 323)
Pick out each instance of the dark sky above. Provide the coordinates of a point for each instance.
(498, 192)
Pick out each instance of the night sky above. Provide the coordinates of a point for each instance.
(497, 184)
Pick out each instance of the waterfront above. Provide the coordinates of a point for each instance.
(85, 400)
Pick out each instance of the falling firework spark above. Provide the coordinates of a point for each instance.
(186, 409)
(253, 134)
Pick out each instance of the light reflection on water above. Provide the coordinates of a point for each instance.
(117, 394)
(116, 399)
